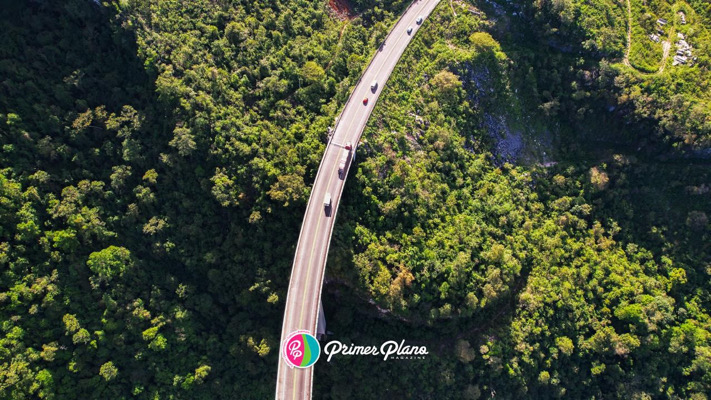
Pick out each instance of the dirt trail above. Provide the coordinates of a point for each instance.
(338, 47)
(629, 34)
(667, 46)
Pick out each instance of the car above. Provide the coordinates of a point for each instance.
(374, 86)
(419, 20)
(365, 101)
(409, 30)
(348, 146)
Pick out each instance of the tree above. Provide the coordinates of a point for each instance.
(110, 263)
(313, 72)
(565, 345)
(697, 221)
(108, 371)
(599, 178)
(183, 141)
(288, 188)
(447, 87)
(483, 42)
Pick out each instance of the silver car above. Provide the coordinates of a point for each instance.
(409, 30)
(419, 20)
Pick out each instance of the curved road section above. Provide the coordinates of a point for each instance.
(304, 296)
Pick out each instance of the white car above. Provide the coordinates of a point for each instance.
(327, 201)
(409, 30)
(419, 20)
(374, 86)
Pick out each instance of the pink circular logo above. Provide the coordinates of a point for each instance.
(300, 349)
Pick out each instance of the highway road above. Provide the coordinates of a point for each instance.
(304, 295)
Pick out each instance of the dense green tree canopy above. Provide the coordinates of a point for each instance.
(525, 204)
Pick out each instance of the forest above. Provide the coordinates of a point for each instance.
(524, 203)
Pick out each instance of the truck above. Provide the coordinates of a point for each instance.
(327, 202)
(345, 157)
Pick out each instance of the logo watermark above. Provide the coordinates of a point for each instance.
(300, 349)
(389, 350)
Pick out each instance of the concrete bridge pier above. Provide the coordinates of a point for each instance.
(321, 324)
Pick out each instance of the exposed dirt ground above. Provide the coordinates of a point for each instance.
(342, 9)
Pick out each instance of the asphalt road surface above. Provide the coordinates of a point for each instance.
(302, 303)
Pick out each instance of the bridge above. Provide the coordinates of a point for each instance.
(304, 295)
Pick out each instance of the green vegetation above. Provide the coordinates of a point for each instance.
(677, 101)
(421, 186)
(600, 25)
(575, 280)
(151, 152)
(156, 158)
(645, 54)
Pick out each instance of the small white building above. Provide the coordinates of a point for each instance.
(682, 17)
